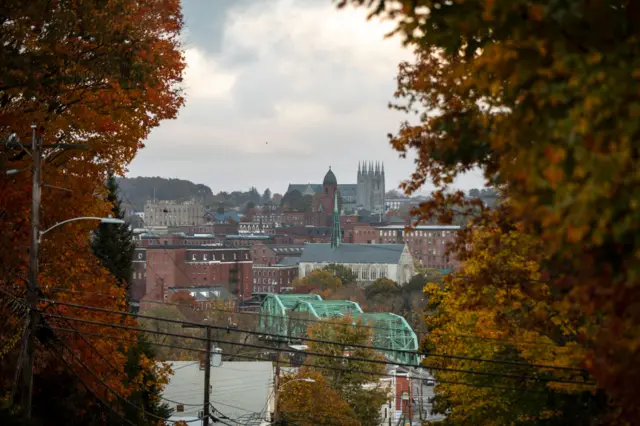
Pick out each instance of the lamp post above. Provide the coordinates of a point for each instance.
(32, 285)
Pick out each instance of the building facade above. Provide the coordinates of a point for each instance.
(367, 193)
(367, 261)
(370, 190)
(170, 213)
(156, 268)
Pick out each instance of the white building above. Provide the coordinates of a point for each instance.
(368, 261)
(170, 213)
(239, 390)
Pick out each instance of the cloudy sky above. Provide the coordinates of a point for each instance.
(276, 92)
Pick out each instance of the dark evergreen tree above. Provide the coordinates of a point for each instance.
(149, 398)
(113, 244)
(266, 196)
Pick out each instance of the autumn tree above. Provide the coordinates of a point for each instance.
(101, 75)
(536, 95)
(311, 404)
(317, 281)
(498, 309)
(347, 376)
(142, 365)
(346, 275)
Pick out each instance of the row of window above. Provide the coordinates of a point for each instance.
(266, 281)
(363, 274)
(265, 289)
(205, 257)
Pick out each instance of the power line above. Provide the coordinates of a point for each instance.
(436, 368)
(503, 341)
(325, 367)
(109, 388)
(68, 367)
(228, 329)
(373, 327)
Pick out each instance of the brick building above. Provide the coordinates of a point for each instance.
(271, 254)
(294, 219)
(427, 243)
(303, 234)
(159, 267)
(275, 278)
(247, 240)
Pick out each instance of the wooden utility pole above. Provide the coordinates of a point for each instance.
(207, 377)
(207, 373)
(276, 391)
(32, 285)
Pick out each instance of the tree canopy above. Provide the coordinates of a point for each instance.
(103, 75)
(317, 281)
(362, 391)
(344, 274)
(536, 95)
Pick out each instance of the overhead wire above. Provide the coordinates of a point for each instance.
(107, 387)
(326, 367)
(307, 339)
(506, 341)
(429, 367)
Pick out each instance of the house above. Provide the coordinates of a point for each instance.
(242, 391)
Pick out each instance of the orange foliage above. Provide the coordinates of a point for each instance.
(97, 73)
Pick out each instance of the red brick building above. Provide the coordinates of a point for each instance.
(158, 267)
(303, 234)
(244, 240)
(427, 243)
(263, 254)
(276, 278)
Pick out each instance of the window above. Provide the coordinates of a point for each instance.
(204, 257)
(193, 257)
(139, 255)
(180, 408)
(235, 257)
(222, 256)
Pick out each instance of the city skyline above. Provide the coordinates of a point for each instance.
(312, 94)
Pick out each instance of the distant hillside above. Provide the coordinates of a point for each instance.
(138, 190)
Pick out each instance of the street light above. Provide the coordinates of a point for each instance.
(101, 219)
(32, 287)
(305, 379)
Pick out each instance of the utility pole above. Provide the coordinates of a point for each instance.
(32, 285)
(276, 391)
(207, 378)
(207, 373)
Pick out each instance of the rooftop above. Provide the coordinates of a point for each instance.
(352, 253)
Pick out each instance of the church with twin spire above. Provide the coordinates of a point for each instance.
(368, 193)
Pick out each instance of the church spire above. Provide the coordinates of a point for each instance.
(336, 234)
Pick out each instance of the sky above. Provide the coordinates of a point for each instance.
(278, 91)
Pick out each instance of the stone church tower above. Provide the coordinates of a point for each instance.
(370, 187)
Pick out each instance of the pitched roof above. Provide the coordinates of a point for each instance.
(346, 189)
(289, 261)
(352, 253)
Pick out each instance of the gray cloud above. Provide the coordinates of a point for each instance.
(276, 92)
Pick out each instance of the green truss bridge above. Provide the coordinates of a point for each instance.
(289, 315)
